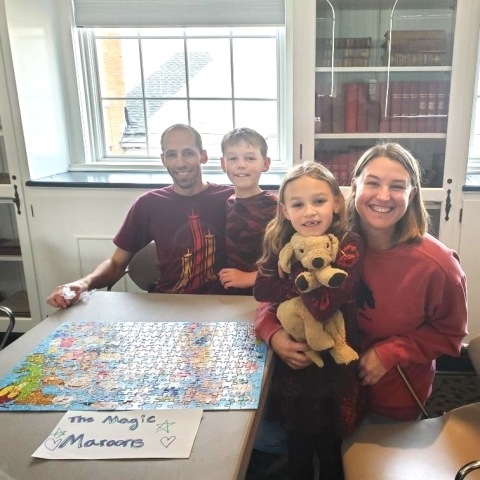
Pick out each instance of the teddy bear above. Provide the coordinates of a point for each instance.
(316, 254)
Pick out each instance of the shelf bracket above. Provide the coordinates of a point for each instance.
(16, 200)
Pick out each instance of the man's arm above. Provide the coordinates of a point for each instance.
(107, 273)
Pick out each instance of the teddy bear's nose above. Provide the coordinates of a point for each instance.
(318, 263)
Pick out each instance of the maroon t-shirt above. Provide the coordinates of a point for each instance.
(189, 233)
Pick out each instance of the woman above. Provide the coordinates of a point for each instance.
(411, 303)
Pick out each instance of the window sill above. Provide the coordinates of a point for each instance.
(117, 179)
(472, 183)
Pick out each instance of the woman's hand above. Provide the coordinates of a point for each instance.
(371, 369)
(289, 350)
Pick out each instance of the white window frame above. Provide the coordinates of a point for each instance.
(473, 166)
(96, 156)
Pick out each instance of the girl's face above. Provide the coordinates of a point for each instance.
(309, 204)
(383, 193)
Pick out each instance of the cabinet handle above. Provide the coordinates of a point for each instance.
(16, 199)
(448, 205)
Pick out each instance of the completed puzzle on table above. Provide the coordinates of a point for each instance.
(139, 365)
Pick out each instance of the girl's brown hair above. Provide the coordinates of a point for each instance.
(414, 224)
(280, 229)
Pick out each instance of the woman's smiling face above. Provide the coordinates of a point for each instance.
(383, 191)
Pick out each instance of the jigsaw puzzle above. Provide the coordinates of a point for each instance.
(139, 365)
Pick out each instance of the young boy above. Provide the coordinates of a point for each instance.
(249, 209)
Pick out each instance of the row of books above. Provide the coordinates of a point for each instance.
(342, 164)
(415, 48)
(346, 52)
(400, 107)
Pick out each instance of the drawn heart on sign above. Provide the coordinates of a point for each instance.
(167, 441)
(52, 444)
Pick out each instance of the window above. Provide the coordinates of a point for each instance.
(474, 151)
(140, 81)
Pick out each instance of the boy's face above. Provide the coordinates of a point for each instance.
(244, 163)
(183, 160)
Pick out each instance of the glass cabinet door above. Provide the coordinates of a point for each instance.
(383, 71)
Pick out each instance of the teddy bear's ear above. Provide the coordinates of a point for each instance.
(335, 245)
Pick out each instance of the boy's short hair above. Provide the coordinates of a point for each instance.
(247, 135)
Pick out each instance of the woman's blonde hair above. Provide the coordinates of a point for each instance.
(280, 229)
(414, 224)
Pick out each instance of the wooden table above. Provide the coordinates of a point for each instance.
(224, 441)
(432, 449)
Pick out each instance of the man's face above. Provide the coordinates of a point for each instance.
(183, 160)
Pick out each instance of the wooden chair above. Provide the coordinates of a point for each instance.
(143, 268)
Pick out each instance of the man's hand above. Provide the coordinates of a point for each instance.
(231, 277)
(289, 350)
(65, 295)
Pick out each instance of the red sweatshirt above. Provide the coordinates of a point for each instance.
(412, 309)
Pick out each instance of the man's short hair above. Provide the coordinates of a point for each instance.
(188, 128)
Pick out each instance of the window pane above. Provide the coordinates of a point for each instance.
(253, 31)
(208, 32)
(116, 32)
(124, 127)
(212, 118)
(119, 68)
(164, 68)
(255, 76)
(161, 114)
(261, 116)
(161, 32)
(209, 68)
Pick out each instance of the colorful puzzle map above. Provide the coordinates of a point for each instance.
(139, 365)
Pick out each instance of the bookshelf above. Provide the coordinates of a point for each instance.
(365, 98)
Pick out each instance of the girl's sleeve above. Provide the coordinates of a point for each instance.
(274, 289)
(324, 301)
(266, 322)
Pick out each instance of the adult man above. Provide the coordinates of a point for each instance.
(186, 220)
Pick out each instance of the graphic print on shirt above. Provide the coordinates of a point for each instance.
(364, 298)
(197, 265)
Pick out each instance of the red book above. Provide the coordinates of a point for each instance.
(338, 109)
(384, 104)
(362, 101)
(325, 113)
(351, 102)
(432, 105)
(413, 108)
(422, 107)
(373, 107)
(396, 106)
(405, 119)
(442, 107)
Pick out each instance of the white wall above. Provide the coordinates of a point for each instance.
(34, 46)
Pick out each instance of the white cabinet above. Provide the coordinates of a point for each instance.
(416, 90)
(17, 277)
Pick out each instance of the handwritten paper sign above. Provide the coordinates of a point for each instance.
(122, 434)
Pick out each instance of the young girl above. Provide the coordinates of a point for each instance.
(316, 406)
